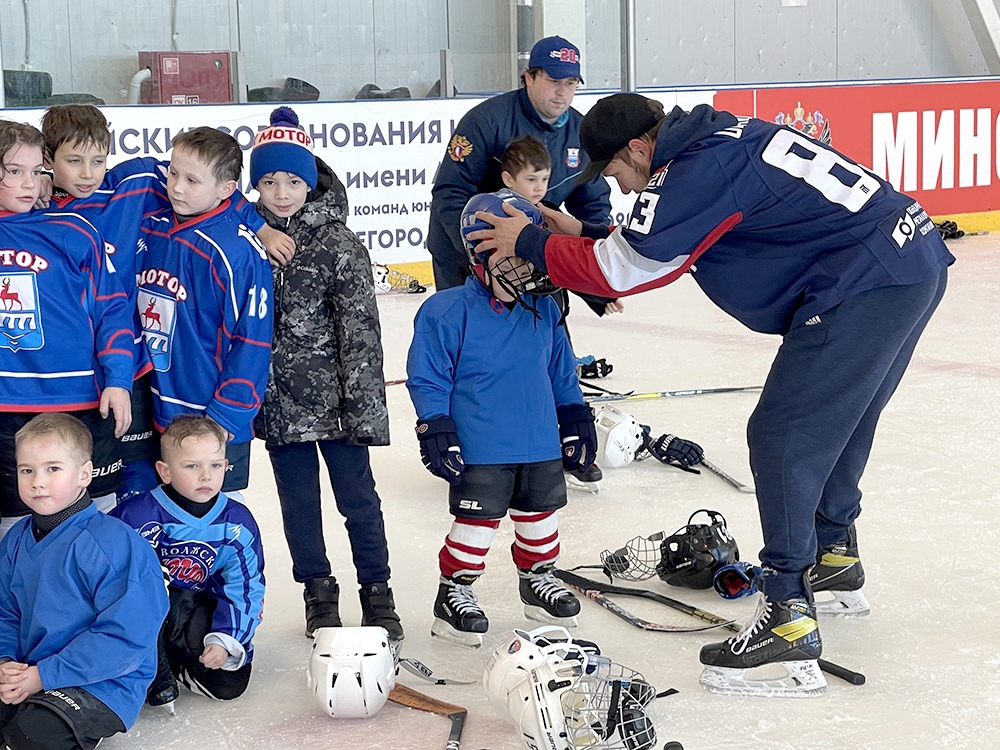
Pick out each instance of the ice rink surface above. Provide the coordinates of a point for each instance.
(929, 537)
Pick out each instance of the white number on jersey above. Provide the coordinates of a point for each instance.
(258, 308)
(252, 239)
(840, 181)
(643, 221)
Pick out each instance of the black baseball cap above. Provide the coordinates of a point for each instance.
(608, 127)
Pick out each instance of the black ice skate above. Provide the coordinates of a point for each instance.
(322, 596)
(163, 691)
(546, 599)
(458, 618)
(585, 480)
(378, 608)
(839, 574)
(780, 633)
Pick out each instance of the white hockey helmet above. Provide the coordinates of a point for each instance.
(522, 651)
(380, 275)
(571, 705)
(619, 437)
(351, 671)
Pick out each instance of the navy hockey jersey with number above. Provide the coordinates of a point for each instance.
(204, 301)
(65, 323)
(131, 190)
(775, 227)
(219, 554)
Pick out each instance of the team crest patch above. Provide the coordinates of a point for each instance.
(459, 147)
(572, 158)
(20, 318)
(157, 314)
(188, 563)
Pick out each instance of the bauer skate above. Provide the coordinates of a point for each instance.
(546, 599)
(585, 480)
(781, 635)
(458, 618)
(839, 576)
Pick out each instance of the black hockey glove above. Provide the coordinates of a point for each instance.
(439, 448)
(578, 435)
(594, 368)
(677, 452)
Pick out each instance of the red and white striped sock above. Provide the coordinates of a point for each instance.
(536, 539)
(465, 547)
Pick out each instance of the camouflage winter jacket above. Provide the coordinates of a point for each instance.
(326, 379)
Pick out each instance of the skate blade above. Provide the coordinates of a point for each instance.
(844, 604)
(169, 709)
(448, 634)
(802, 679)
(590, 488)
(538, 614)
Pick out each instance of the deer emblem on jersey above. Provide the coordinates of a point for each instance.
(8, 298)
(149, 316)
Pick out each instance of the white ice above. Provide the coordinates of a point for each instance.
(929, 537)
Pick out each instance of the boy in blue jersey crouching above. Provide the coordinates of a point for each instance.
(210, 546)
(81, 602)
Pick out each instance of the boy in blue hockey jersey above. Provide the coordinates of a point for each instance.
(66, 335)
(499, 415)
(205, 297)
(81, 602)
(77, 142)
(210, 546)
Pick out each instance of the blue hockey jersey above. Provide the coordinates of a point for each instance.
(131, 190)
(471, 165)
(219, 554)
(85, 605)
(499, 373)
(774, 226)
(65, 323)
(204, 301)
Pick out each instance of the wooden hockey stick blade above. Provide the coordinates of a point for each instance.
(632, 619)
(409, 697)
(421, 670)
(726, 478)
(668, 394)
(572, 579)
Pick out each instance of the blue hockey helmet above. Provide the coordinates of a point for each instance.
(510, 273)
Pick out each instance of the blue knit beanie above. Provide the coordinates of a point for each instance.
(283, 147)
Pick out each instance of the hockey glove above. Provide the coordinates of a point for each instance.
(593, 368)
(439, 448)
(676, 451)
(578, 435)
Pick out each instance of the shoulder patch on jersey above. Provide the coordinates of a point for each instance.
(459, 147)
(572, 158)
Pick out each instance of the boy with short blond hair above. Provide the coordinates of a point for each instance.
(77, 142)
(81, 602)
(210, 545)
(205, 297)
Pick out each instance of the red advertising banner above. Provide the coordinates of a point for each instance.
(938, 142)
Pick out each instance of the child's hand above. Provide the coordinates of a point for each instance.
(214, 656)
(280, 247)
(119, 401)
(559, 223)
(45, 191)
(18, 682)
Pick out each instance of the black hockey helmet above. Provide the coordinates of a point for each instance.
(691, 556)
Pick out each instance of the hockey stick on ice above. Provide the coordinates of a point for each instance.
(666, 394)
(421, 670)
(855, 678)
(726, 478)
(405, 696)
(596, 596)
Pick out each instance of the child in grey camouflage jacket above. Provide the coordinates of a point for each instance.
(326, 389)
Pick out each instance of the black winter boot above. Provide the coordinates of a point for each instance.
(379, 609)
(322, 596)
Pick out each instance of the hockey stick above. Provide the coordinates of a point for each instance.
(605, 391)
(405, 696)
(596, 596)
(401, 381)
(667, 394)
(855, 678)
(726, 478)
(421, 670)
